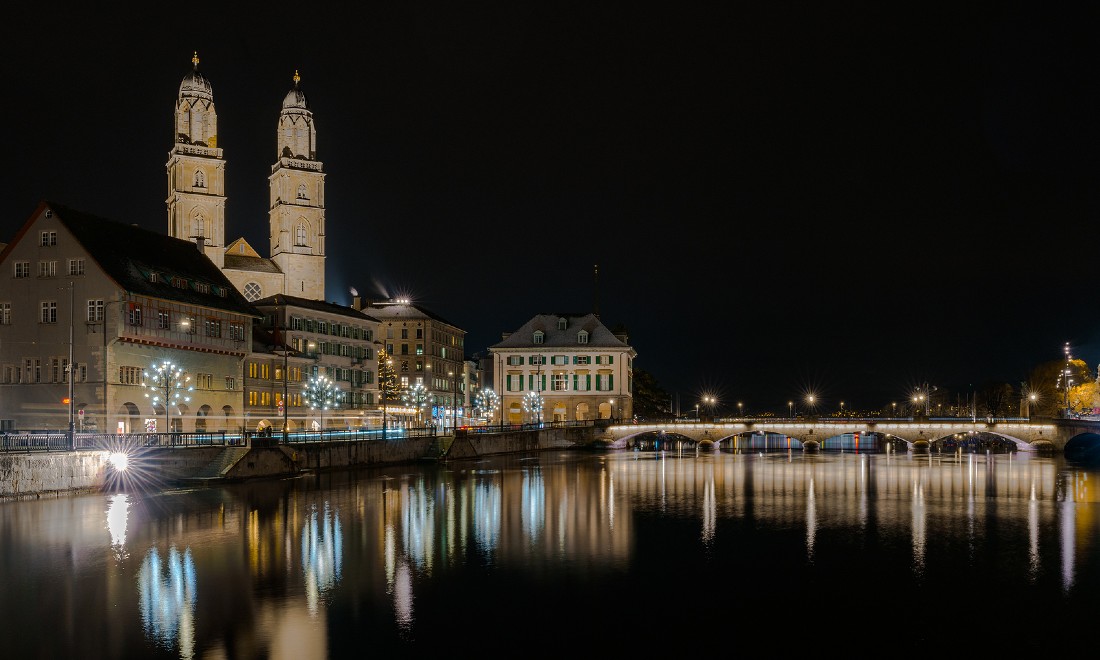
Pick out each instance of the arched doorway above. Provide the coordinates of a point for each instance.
(200, 418)
(583, 411)
(515, 414)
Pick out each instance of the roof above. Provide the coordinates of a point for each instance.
(598, 334)
(235, 261)
(387, 311)
(148, 252)
(316, 305)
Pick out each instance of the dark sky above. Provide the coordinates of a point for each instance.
(844, 198)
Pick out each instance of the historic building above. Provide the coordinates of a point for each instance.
(72, 302)
(563, 367)
(428, 350)
(304, 340)
(296, 217)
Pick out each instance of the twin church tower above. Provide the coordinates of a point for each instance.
(296, 215)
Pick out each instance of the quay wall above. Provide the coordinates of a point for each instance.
(49, 474)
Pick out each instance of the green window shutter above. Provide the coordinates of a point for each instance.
(588, 382)
(611, 359)
(544, 382)
(575, 377)
(574, 359)
(611, 382)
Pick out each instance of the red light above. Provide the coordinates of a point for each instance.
(66, 400)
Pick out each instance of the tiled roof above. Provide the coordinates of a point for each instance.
(250, 263)
(317, 305)
(598, 334)
(128, 254)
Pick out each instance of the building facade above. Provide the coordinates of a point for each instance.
(563, 367)
(308, 340)
(296, 215)
(426, 350)
(72, 297)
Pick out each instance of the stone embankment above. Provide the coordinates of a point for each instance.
(51, 474)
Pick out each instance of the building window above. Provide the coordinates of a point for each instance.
(47, 269)
(5, 313)
(300, 235)
(559, 382)
(76, 266)
(202, 287)
(95, 311)
(130, 375)
(559, 359)
(582, 337)
(213, 328)
(22, 269)
(515, 360)
(48, 311)
(603, 383)
(561, 323)
(420, 333)
(420, 349)
(582, 359)
(236, 331)
(536, 359)
(252, 291)
(230, 383)
(200, 179)
(164, 319)
(133, 316)
(605, 359)
(302, 191)
(538, 337)
(48, 238)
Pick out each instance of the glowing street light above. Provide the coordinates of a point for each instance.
(321, 394)
(790, 409)
(167, 384)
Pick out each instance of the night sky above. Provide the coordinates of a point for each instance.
(846, 198)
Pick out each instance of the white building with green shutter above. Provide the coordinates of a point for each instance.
(563, 367)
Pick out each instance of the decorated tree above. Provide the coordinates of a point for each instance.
(486, 402)
(532, 405)
(417, 396)
(167, 386)
(322, 394)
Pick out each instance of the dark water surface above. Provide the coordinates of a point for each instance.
(571, 553)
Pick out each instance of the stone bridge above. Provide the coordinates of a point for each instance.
(1029, 435)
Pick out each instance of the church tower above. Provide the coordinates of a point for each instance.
(196, 169)
(297, 197)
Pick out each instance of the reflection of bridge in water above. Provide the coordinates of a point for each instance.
(870, 434)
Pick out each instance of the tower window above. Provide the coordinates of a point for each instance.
(200, 179)
(302, 192)
(300, 234)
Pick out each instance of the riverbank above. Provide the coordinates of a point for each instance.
(55, 474)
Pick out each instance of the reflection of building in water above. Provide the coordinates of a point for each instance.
(322, 554)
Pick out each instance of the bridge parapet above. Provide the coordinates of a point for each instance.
(1024, 432)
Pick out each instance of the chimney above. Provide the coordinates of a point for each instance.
(355, 303)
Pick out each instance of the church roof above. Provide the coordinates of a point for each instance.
(194, 84)
(255, 264)
(295, 98)
(599, 336)
(147, 252)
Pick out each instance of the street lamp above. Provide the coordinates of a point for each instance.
(1031, 399)
(740, 408)
(614, 415)
(895, 405)
(790, 410)
(810, 401)
(454, 404)
(697, 413)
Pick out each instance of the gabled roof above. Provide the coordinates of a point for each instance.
(129, 255)
(598, 334)
(316, 305)
(240, 255)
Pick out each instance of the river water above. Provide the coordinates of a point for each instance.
(570, 552)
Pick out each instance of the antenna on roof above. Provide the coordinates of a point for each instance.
(596, 293)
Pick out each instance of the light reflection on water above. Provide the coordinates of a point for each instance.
(418, 556)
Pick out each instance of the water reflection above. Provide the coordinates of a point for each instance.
(401, 556)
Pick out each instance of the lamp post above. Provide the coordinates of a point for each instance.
(790, 410)
(1065, 383)
(740, 407)
(697, 413)
(69, 369)
(810, 401)
(895, 406)
(1031, 398)
(454, 404)
(286, 373)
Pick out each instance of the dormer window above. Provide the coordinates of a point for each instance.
(538, 337)
(562, 323)
(154, 277)
(582, 337)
